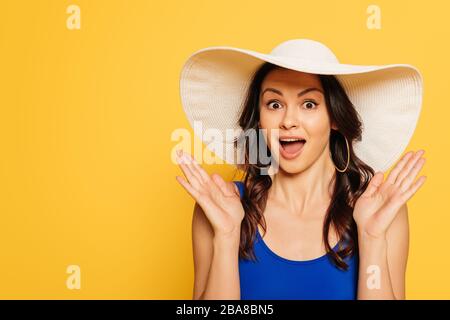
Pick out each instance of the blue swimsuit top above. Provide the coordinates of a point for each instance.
(275, 277)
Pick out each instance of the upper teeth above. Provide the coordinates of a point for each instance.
(289, 140)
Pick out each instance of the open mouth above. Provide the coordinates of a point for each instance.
(292, 146)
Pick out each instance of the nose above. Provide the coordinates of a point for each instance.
(290, 118)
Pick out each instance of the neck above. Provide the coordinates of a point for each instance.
(305, 190)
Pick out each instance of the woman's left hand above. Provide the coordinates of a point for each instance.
(377, 207)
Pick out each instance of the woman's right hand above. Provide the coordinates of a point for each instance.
(219, 199)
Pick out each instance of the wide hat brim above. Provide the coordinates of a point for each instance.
(388, 98)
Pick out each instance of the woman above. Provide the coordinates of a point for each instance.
(325, 225)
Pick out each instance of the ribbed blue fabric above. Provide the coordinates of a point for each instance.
(274, 277)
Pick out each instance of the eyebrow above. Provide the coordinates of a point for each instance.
(298, 95)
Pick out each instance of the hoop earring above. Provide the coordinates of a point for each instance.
(348, 157)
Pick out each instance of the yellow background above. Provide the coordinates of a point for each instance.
(86, 176)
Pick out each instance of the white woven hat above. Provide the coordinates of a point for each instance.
(388, 98)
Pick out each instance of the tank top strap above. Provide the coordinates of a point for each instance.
(240, 186)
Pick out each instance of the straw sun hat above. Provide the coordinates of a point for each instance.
(388, 98)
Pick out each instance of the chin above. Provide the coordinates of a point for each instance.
(291, 168)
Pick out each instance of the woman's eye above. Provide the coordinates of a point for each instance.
(310, 104)
(274, 105)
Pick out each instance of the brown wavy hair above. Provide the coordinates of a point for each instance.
(348, 185)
